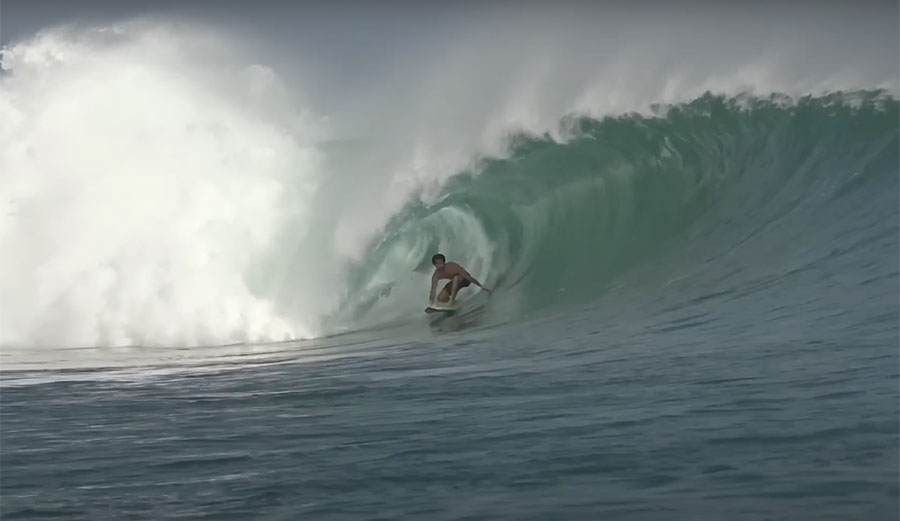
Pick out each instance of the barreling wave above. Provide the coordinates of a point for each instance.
(555, 222)
(161, 187)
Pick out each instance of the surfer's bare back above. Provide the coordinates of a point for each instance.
(459, 278)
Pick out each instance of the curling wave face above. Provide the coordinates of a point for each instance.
(554, 223)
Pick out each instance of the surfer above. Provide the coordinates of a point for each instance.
(459, 278)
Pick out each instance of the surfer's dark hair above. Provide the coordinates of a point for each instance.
(437, 256)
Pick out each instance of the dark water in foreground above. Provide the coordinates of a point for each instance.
(711, 409)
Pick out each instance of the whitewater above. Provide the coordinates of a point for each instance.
(214, 272)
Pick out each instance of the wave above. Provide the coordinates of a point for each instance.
(162, 188)
(555, 222)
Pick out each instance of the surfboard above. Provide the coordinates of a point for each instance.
(446, 310)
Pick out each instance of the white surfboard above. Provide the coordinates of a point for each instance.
(441, 308)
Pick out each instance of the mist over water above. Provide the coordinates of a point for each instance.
(145, 177)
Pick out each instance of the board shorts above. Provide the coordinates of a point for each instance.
(462, 284)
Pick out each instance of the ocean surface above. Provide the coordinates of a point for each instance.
(696, 317)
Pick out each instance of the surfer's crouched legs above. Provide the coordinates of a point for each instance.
(451, 288)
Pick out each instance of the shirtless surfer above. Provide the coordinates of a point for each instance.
(459, 278)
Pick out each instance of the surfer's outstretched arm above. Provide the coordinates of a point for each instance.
(472, 279)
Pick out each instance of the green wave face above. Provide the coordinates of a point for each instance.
(553, 224)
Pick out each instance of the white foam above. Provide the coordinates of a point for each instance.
(141, 180)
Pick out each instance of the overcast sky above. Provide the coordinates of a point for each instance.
(337, 50)
(363, 32)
